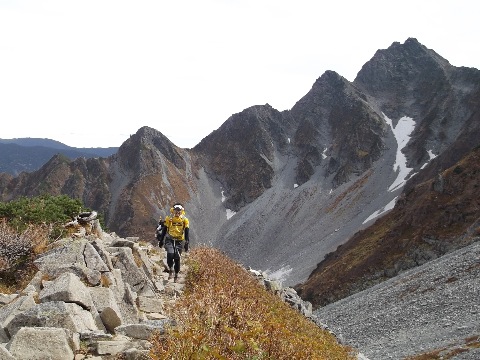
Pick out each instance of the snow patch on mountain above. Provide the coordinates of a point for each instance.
(280, 274)
(431, 155)
(377, 213)
(402, 132)
(230, 213)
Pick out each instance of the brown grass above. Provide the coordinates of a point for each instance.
(354, 187)
(17, 253)
(226, 314)
(105, 281)
(448, 352)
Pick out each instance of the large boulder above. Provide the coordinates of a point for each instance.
(56, 314)
(12, 309)
(67, 288)
(66, 252)
(41, 343)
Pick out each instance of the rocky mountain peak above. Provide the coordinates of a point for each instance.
(139, 152)
(402, 75)
(240, 153)
(336, 127)
(330, 81)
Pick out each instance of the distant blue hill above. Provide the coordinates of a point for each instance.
(30, 154)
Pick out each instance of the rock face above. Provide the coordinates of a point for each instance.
(278, 191)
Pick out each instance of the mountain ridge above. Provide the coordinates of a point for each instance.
(29, 154)
(280, 190)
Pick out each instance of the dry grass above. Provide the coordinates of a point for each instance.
(226, 314)
(105, 281)
(17, 253)
(449, 352)
(358, 184)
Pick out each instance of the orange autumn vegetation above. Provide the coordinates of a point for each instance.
(226, 314)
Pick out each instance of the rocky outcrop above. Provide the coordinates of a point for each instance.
(337, 128)
(92, 297)
(240, 154)
(411, 80)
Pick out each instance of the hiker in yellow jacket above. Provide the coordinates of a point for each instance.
(175, 233)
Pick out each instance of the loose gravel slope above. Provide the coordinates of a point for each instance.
(434, 307)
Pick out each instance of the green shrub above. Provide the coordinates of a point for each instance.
(54, 211)
(27, 226)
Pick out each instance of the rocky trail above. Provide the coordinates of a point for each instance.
(92, 298)
(98, 296)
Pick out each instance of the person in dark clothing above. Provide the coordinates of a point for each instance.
(158, 229)
(175, 237)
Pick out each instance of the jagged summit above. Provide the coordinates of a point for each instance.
(133, 152)
(401, 77)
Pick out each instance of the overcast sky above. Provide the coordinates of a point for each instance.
(91, 73)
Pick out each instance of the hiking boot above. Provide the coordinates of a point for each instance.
(170, 274)
(175, 278)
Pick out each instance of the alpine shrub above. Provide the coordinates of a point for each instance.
(225, 313)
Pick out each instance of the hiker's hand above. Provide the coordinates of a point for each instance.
(186, 246)
(160, 243)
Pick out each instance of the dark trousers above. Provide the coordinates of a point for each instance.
(174, 253)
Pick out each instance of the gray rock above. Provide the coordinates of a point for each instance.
(5, 354)
(111, 318)
(142, 330)
(41, 343)
(103, 297)
(53, 314)
(103, 253)
(93, 277)
(131, 273)
(150, 304)
(69, 253)
(3, 336)
(123, 295)
(93, 259)
(67, 288)
(112, 347)
(9, 311)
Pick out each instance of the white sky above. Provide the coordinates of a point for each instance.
(91, 73)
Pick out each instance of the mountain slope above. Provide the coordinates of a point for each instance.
(431, 311)
(431, 219)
